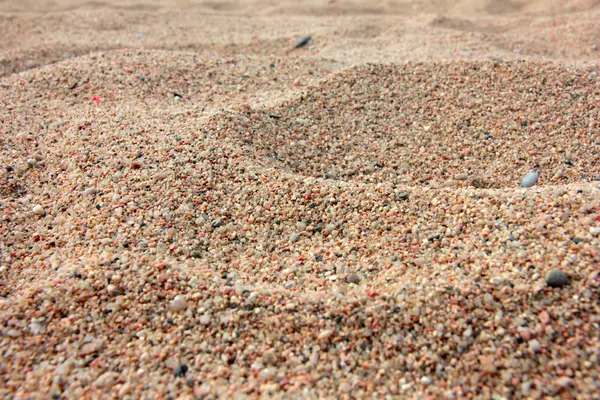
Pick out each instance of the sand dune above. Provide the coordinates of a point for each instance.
(191, 208)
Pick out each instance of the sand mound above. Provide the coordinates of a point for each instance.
(453, 124)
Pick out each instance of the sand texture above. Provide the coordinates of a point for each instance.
(192, 208)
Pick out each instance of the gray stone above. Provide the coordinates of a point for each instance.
(353, 278)
(196, 253)
(529, 179)
(556, 278)
(180, 370)
(302, 41)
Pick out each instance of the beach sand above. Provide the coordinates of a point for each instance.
(192, 208)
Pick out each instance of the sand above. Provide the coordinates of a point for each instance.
(192, 208)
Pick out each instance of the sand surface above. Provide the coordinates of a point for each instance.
(191, 208)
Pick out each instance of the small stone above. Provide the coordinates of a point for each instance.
(353, 278)
(535, 345)
(35, 327)
(544, 317)
(538, 286)
(403, 195)
(178, 304)
(13, 333)
(196, 254)
(302, 41)
(31, 162)
(325, 335)
(106, 380)
(39, 210)
(269, 357)
(529, 179)
(345, 387)
(180, 370)
(293, 237)
(406, 386)
(90, 192)
(91, 347)
(9, 168)
(65, 368)
(205, 319)
(564, 382)
(595, 231)
(267, 374)
(556, 278)
(111, 289)
(426, 380)
(497, 281)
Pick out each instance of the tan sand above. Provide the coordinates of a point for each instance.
(193, 209)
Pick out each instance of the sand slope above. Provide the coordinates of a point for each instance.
(344, 219)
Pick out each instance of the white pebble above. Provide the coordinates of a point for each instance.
(406, 386)
(39, 210)
(497, 281)
(529, 179)
(90, 192)
(325, 335)
(205, 319)
(35, 327)
(178, 304)
(267, 374)
(534, 345)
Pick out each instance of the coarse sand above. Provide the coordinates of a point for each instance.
(192, 208)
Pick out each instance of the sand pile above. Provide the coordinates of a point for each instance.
(207, 214)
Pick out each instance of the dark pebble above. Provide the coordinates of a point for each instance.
(556, 278)
(9, 168)
(180, 370)
(196, 254)
(403, 195)
(353, 278)
(302, 41)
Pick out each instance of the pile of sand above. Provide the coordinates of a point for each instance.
(191, 208)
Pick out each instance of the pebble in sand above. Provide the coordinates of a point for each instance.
(556, 278)
(529, 179)
(219, 263)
